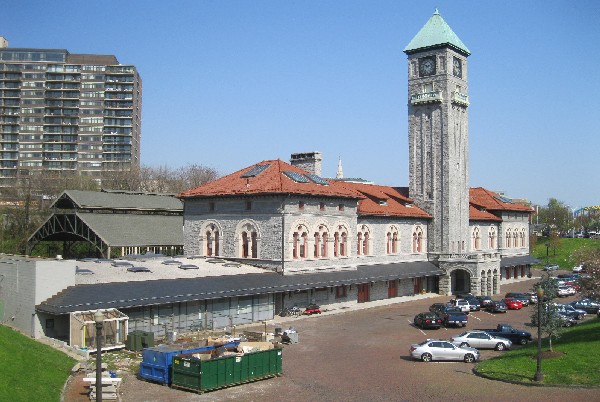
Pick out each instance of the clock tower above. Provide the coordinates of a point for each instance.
(438, 135)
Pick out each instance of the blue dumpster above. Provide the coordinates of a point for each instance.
(157, 362)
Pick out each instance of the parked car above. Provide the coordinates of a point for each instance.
(428, 320)
(512, 303)
(551, 267)
(312, 309)
(450, 315)
(570, 311)
(533, 299)
(588, 305)
(461, 304)
(565, 291)
(484, 300)
(496, 306)
(512, 334)
(577, 269)
(481, 340)
(434, 349)
(474, 304)
(522, 297)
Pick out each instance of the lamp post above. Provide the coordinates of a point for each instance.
(99, 319)
(539, 376)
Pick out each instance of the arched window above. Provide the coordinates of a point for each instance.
(362, 240)
(249, 240)
(300, 243)
(508, 238)
(211, 241)
(392, 238)
(492, 238)
(417, 246)
(476, 239)
(324, 245)
(523, 237)
(340, 242)
(515, 239)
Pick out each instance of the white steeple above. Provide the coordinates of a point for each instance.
(340, 172)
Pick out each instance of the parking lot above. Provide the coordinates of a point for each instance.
(364, 356)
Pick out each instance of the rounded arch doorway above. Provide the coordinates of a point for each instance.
(460, 280)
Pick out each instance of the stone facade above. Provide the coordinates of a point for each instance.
(277, 219)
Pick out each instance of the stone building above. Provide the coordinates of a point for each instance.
(288, 218)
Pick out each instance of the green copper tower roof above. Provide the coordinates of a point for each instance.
(434, 34)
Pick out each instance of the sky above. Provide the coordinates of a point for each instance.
(227, 84)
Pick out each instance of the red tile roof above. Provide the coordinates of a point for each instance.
(272, 180)
(382, 200)
(373, 199)
(491, 201)
(476, 214)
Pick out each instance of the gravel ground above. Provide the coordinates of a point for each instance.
(363, 356)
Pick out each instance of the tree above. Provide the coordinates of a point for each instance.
(589, 257)
(554, 241)
(552, 323)
(556, 216)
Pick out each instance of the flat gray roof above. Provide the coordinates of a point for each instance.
(144, 293)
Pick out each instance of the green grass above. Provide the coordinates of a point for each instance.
(29, 370)
(577, 366)
(564, 252)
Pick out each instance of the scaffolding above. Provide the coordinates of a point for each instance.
(83, 330)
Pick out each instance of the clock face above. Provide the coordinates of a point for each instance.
(426, 66)
(457, 70)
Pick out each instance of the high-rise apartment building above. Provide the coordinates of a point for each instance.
(67, 113)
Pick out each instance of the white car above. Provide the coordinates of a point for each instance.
(578, 269)
(564, 291)
(462, 304)
(481, 340)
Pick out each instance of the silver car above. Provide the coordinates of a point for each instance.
(435, 349)
(481, 340)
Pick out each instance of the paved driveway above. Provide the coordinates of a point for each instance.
(363, 356)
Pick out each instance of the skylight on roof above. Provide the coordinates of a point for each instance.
(503, 199)
(317, 179)
(297, 177)
(255, 171)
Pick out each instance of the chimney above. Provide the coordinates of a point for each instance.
(309, 161)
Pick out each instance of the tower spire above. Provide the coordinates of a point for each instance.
(340, 171)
